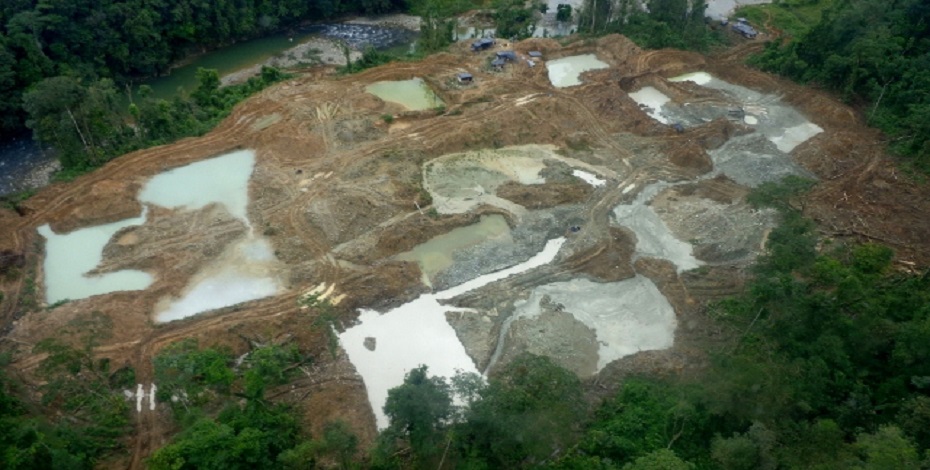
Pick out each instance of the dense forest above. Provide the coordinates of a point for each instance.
(876, 54)
(124, 40)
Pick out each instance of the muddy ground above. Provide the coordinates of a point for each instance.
(336, 188)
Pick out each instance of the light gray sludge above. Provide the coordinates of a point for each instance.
(627, 317)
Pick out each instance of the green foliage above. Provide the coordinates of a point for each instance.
(126, 40)
(87, 125)
(249, 437)
(520, 417)
(81, 121)
(123, 378)
(644, 418)
(437, 22)
(268, 366)
(873, 53)
(249, 431)
(435, 34)
(751, 450)
(668, 23)
(11, 264)
(529, 410)
(790, 17)
(662, 459)
(208, 84)
(83, 416)
(13, 201)
(337, 447)
(418, 410)
(827, 368)
(779, 195)
(887, 449)
(514, 18)
(563, 12)
(326, 319)
(371, 57)
(191, 375)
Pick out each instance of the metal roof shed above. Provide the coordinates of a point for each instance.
(482, 43)
(507, 55)
(745, 30)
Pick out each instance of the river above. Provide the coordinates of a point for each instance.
(256, 51)
(25, 165)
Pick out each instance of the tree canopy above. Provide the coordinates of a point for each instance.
(875, 54)
(664, 23)
(125, 40)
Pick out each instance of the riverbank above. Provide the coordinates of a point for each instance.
(25, 165)
(316, 51)
(328, 48)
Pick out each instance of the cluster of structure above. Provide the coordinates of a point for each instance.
(501, 58)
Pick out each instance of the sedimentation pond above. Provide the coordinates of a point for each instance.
(608, 320)
(413, 94)
(623, 317)
(69, 257)
(243, 271)
(566, 72)
(384, 347)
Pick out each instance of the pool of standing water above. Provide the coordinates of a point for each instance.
(413, 94)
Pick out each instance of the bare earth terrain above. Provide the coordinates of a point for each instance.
(336, 187)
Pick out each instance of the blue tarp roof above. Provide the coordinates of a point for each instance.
(744, 29)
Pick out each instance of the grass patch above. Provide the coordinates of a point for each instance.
(12, 201)
(792, 17)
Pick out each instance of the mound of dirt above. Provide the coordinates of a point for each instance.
(541, 196)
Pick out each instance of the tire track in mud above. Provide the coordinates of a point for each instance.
(229, 135)
(226, 137)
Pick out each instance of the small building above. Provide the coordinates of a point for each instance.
(498, 64)
(482, 44)
(535, 54)
(509, 56)
(465, 77)
(742, 27)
